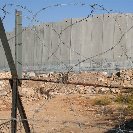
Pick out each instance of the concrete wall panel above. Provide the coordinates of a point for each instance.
(76, 42)
(46, 41)
(38, 53)
(120, 38)
(65, 43)
(86, 43)
(97, 40)
(28, 48)
(129, 38)
(106, 39)
(55, 51)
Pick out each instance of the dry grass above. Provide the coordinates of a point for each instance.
(102, 101)
(127, 100)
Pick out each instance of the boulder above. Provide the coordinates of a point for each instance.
(90, 89)
(1, 88)
(1, 83)
(27, 92)
(118, 74)
(3, 93)
(80, 88)
(126, 77)
(103, 90)
(30, 74)
(100, 79)
(115, 90)
(43, 75)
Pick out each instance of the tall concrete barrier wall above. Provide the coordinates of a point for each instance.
(101, 42)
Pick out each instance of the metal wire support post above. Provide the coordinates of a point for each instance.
(14, 105)
(16, 101)
(18, 43)
(20, 108)
(18, 58)
(18, 64)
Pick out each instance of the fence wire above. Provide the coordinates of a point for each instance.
(58, 94)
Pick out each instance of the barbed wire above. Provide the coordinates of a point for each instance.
(61, 42)
(82, 4)
(33, 121)
(59, 34)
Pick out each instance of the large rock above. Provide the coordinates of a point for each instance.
(51, 74)
(126, 83)
(30, 74)
(80, 89)
(115, 90)
(1, 88)
(90, 89)
(1, 83)
(43, 75)
(100, 79)
(126, 77)
(103, 90)
(3, 93)
(27, 92)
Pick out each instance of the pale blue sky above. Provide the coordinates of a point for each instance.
(59, 13)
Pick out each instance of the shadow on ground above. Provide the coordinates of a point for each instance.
(126, 127)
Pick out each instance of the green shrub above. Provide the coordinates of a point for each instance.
(130, 108)
(127, 100)
(103, 101)
(130, 104)
(121, 99)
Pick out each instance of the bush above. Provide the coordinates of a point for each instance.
(130, 104)
(103, 101)
(127, 100)
(121, 99)
(130, 108)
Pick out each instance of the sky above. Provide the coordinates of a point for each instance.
(69, 9)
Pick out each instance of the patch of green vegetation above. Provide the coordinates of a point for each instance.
(127, 100)
(103, 101)
(121, 99)
(130, 108)
(130, 104)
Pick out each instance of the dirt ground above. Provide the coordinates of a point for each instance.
(66, 108)
(66, 114)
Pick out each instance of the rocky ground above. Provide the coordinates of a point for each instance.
(69, 102)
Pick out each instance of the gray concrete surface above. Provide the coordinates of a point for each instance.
(95, 43)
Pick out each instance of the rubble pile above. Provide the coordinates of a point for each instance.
(68, 83)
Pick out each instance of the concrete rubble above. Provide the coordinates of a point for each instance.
(39, 89)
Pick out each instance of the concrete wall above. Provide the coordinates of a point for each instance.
(96, 43)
